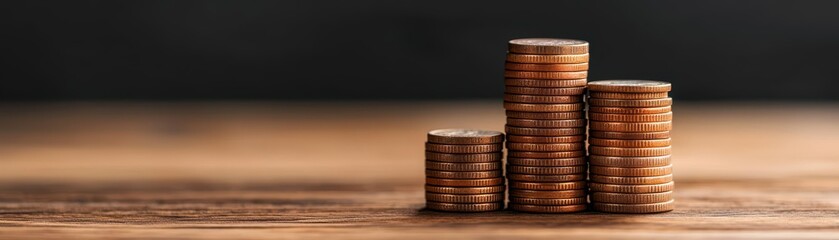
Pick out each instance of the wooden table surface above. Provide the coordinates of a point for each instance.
(258, 170)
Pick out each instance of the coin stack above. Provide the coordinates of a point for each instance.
(545, 82)
(463, 170)
(629, 138)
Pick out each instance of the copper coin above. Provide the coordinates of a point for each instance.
(534, 58)
(630, 127)
(629, 143)
(569, 154)
(630, 135)
(486, 182)
(548, 201)
(545, 91)
(539, 123)
(464, 136)
(547, 194)
(661, 102)
(618, 95)
(548, 186)
(548, 46)
(463, 167)
(630, 162)
(467, 198)
(543, 83)
(548, 209)
(474, 157)
(546, 115)
(546, 170)
(631, 172)
(617, 188)
(544, 131)
(556, 107)
(545, 178)
(634, 208)
(466, 190)
(605, 117)
(462, 175)
(631, 180)
(628, 86)
(568, 67)
(464, 207)
(547, 162)
(546, 75)
(623, 110)
(544, 139)
(629, 152)
(471, 148)
(542, 99)
(545, 147)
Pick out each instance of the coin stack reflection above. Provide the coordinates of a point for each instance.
(629, 138)
(545, 82)
(463, 170)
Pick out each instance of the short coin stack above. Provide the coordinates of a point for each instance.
(545, 83)
(463, 170)
(629, 138)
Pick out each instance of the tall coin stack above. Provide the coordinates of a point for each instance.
(629, 138)
(463, 170)
(545, 82)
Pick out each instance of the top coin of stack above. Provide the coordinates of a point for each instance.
(463, 170)
(545, 82)
(629, 138)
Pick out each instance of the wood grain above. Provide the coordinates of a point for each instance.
(259, 170)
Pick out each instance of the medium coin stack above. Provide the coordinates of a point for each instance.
(545, 83)
(629, 138)
(463, 170)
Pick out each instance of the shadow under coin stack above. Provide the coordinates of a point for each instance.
(463, 170)
(545, 83)
(629, 138)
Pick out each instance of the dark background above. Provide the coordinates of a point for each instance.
(186, 50)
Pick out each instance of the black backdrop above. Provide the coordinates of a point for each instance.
(170, 50)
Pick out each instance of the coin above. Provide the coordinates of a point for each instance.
(537, 123)
(474, 157)
(631, 172)
(486, 182)
(557, 107)
(464, 136)
(631, 198)
(623, 110)
(534, 58)
(630, 162)
(617, 95)
(630, 135)
(547, 162)
(466, 190)
(467, 198)
(545, 139)
(567, 154)
(472, 148)
(548, 46)
(629, 143)
(545, 178)
(546, 75)
(546, 170)
(464, 207)
(630, 180)
(543, 83)
(463, 167)
(548, 201)
(658, 117)
(548, 186)
(634, 208)
(548, 209)
(661, 102)
(544, 131)
(547, 194)
(542, 99)
(629, 152)
(617, 188)
(630, 127)
(628, 86)
(568, 67)
(545, 147)
(546, 115)
(463, 175)
(545, 90)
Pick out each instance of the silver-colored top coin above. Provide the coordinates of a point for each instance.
(464, 133)
(547, 42)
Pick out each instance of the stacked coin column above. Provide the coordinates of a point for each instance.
(545, 82)
(630, 123)
(463, 170)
